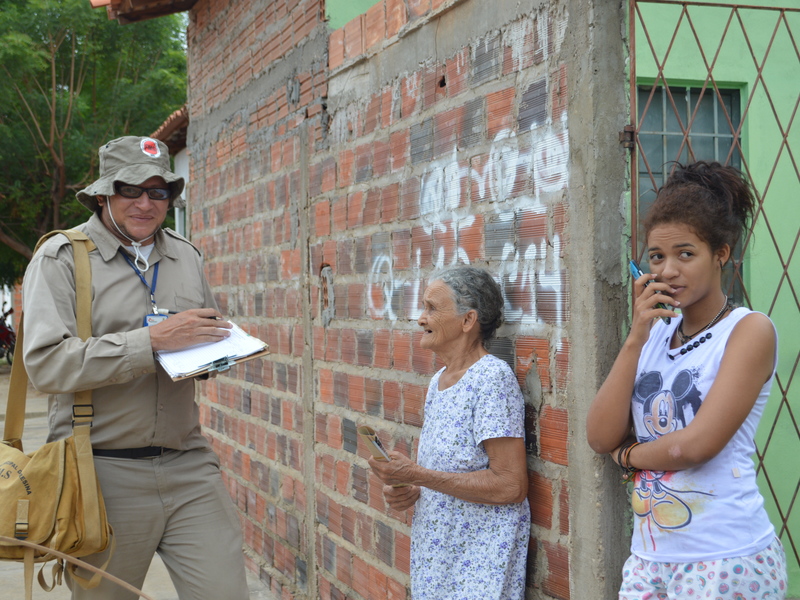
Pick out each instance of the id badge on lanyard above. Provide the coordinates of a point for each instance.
(156, 316)
(153, 318)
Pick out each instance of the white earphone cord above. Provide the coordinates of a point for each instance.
(136, 245)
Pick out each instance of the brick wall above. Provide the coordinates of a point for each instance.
(329, 177)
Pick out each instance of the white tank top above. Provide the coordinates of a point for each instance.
(712, 511)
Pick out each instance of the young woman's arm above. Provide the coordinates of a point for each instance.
(747, 364)
(609, 420)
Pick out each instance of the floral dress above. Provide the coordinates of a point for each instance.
(463, 550)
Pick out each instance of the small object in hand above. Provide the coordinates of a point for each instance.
(373, 443)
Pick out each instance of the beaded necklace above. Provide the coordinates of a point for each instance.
(688, 338)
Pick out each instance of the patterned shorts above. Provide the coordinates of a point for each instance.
(760, 576)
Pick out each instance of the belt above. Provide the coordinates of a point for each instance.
(146, 452)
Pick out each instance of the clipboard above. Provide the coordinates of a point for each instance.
(218, 356)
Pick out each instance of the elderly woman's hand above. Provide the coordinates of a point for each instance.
(400, 470)
(401, 498)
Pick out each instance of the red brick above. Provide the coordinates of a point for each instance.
(377, 584)
(376, 500)
(344, 569)
(346, 171)
(471, 238)
(401, 249)
(339, 209)
(422, 246)
(540, 497)
(376, 24)
(413, 401)
(328, 175)
(396, 17)
(355, 210)
(322, 218)
(556, 582)
(457, 73)
(335, 433)
(434, 85)
(410, 93)
(417, 8)
(401, 346)
(447, 124)
(532, 229)
(343, 477)
(399, 143)
(560, 92)
(326, 386)
(392, 401)
(402, 552)
(387, 107)
(360, 577)
(553, 435)
(372, 120)
(409, 198)
(563, 508)
(395, 591)
(381, 158)
(500, 109)
(560, 218)
(562, 364)
(326, 471)
(356, 397)
(372, 208)
(390, 203)
(354, 37)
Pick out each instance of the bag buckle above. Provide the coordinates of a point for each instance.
(82, 413)
(21, 531)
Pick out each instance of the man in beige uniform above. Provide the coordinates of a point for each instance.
(160, 479)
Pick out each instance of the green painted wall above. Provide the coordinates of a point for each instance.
(775, 177)
(339, 12)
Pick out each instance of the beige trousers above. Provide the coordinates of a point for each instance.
(176, 505)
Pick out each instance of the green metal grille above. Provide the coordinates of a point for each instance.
(722, 82)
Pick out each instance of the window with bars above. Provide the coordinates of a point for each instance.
(685, 124)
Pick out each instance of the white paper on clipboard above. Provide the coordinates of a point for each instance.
(200, 359)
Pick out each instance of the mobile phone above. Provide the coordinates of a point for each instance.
(373, 443)
(637, 272)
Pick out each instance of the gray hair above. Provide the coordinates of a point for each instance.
(475, 289)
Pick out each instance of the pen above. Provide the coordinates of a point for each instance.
(172, 312)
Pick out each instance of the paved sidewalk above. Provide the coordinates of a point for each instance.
(12, 586)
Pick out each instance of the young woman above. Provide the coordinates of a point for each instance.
(694, 389)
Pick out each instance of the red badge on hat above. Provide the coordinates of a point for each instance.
(150, 147)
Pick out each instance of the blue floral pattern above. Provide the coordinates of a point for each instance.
(462, 550)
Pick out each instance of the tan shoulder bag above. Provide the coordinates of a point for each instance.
(52, 497)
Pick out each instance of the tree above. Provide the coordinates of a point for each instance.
(70, 80)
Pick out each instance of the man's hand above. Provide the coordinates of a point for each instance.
(189, 328)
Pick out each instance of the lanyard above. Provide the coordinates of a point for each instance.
(151, 289)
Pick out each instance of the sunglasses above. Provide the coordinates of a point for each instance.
(134, 191)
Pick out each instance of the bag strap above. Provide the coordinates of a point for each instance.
(18, 386)
(77, 562)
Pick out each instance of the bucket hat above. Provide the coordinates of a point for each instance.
(134, 160)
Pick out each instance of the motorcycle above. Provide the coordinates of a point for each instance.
(8, 338)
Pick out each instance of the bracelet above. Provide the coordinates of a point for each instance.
(623, 459)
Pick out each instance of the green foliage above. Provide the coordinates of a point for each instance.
(70, 80)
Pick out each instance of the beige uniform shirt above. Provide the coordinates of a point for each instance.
(136, 404)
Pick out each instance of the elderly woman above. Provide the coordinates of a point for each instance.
(471, 524)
